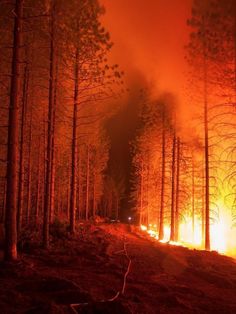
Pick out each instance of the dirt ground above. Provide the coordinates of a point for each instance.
(89, 269)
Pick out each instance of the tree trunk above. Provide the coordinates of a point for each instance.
(172, 222)
(141, 195)
(68, 196)
(22, 151)
(13, 133)
(203, 209)
(79, 205)
(4, 203)
(49, 134)
(206, 151)
(53, 170)
(117, 206)
(38, 186)
(148, 194)
(234, 36)
(94, 196)
(74, 147)
(87, 184)
(44, 166)
(52, 179)
(28, 205)
(207, 196)
(161, 219)
(59, 200)
(193, 198)
(177, 191)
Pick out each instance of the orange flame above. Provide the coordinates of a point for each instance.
(222, 234)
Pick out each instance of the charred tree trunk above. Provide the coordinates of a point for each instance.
(172, 222)
(13, 133)
(74, 147)
(49, 133)
(203, 212)
(161, 218)
(206, 149)
(207, 196)
(177, 191)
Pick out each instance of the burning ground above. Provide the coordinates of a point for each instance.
(100, 260)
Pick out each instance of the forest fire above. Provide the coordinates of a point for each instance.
(222, 233)
(113, 115)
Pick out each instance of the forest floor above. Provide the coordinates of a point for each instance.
(90, 268)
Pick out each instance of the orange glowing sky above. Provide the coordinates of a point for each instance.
(149, 37)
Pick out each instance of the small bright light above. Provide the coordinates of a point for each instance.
(143, 228)
(129, 218)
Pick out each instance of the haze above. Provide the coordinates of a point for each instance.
(149, 36)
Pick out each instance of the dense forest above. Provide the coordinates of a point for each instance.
(57, 94)
(55, 80)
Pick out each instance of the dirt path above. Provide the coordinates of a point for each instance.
(90, 268)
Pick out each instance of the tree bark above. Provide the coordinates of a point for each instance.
(161, 219)
(148, 194)
(53, 170)
(49, 132)
(94, 196)
(28, 205)
(68, 196)
(13, 133)
(193, 198)
(22, 151)
(172, 222)
(117, 206)
(206, 150)
(87, 184)
(4, 203)
(207, 196)
(79, 188)
(141, 195)
(74, 147)
(177, 191)
(38, 185)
